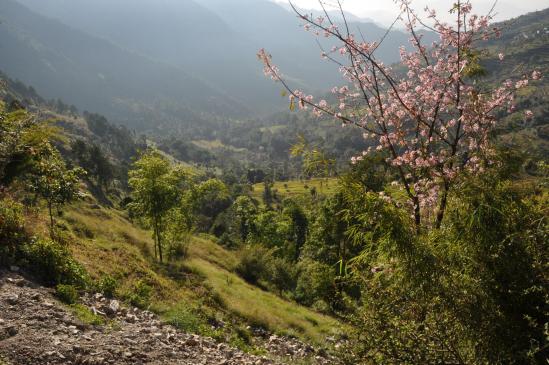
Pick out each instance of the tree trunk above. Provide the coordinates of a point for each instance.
(442, 206)
(417, 215)
(159, 239)
(51, 219)
(155, 239)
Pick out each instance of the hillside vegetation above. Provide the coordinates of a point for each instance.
(403, 219)
(204, 285)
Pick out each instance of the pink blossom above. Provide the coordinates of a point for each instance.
(425, 116)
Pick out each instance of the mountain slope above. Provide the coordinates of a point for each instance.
(181, 33)
(218, 40)
(94, 74)
(525, 44)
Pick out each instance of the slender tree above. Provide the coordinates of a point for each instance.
(53, 181)
(156, 189)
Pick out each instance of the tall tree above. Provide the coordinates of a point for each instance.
(156, 189)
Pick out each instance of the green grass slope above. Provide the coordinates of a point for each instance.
(190, 292)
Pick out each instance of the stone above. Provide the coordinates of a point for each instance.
(113, 308)
(191, 342)
(11, 331)
(131, 318)
(12, 299)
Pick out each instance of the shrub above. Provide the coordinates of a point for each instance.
(227, 241)
(185, 319)
(68, 294)
(140, 294)
(475, 288)
(254, 263)
(52, 263)
(179, 248)
(107, 286)
(282, 274)
(315, 282)
(12, 233)
(84, 314)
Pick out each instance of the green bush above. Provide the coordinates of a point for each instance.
(178, 246)
(107, 286)
(315, 282)
(476, 288)
(140, 294)
(185, 319)
(282, 274)
(254, 263)
(84, 314)
(68, 294)
(12, 233)
(52, 263)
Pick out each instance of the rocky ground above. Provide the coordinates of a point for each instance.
(35, 329)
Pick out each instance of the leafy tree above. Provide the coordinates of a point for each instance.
(316, 282)
(53, 181)
(245, 210)
(268, 192)
(270, 229)
(283, 274)
(156, 189)
(22, 140)
(298, 229)
(315, 161)
(102, 168)
(94, 161)
(203, 202)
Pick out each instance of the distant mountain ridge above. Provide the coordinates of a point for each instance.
(93, 73)
(168, 60)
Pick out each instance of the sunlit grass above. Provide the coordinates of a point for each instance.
(263, 308)
(292, 188)
(107, 243)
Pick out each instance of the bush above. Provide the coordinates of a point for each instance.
(107, 286)
(185, 319)
(254, 263)
(68, 294)
(12, 233)
(52, 263)
(227, 241)
(179, 249)
(282, 274)
(315, 282)
(140, 295)
(475, 288)
(85, 315)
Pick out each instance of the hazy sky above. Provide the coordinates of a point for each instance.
(384, 11)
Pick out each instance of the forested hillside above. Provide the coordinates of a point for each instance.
(157, 207)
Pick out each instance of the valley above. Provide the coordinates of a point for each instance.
(162, 201)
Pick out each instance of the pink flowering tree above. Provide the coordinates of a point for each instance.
(434, 118)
